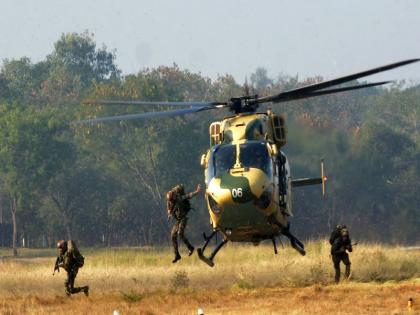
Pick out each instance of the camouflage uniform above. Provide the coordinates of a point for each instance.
(71, 260)
(336, 233)
(339, 249)
(178, 205)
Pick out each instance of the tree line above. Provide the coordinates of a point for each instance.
(105, 185)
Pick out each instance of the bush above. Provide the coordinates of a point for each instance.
(180, 280)
(242, 284)
(131, 296)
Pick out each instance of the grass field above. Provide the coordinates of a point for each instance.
(245, 280)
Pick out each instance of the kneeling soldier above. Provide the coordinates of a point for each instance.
(70, 259)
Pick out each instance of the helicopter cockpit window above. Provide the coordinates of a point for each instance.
(252, 155)
(222, 160)
(255, 155)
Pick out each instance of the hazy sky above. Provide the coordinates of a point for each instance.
(327, 38)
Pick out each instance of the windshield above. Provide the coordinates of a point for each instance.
(253, 155)
(221, 160)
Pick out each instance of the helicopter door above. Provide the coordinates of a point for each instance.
(282, 179)
(285, 183)
(289, 197)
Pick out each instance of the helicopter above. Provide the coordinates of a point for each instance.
(249, 186)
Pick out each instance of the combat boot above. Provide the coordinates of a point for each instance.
(347, 272)
(177, 257)
(337, 275)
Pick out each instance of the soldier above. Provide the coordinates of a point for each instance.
(70, 259)
(178, 205)
(339, 249)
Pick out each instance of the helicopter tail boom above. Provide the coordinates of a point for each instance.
(306, 181)
(312, 181)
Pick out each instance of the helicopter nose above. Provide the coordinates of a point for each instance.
(229, 189)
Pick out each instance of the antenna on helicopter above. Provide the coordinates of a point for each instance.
(246, 87)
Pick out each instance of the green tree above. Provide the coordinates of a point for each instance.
(18, 78)
(79, 55)
(31, 153)
(260, 79)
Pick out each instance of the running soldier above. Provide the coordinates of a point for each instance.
(339, 249)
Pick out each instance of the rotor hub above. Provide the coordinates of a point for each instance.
(244, 104)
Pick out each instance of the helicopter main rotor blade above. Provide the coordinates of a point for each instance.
(166, 113)
(307, 90)
(153, 103)
(344, 89)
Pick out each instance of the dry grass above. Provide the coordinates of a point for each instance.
(245, 280)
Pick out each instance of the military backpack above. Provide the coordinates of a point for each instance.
(78, 259)
(178, 206)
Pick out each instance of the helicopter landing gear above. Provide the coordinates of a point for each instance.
(274, 245)
(294, 242)
(200, 251)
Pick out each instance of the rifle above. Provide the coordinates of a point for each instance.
(57, 264)
(354, 244)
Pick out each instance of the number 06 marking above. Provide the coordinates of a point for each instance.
(236, 193)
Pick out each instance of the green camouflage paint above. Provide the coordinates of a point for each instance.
(228, 136)
(228, 181)
(251, 127)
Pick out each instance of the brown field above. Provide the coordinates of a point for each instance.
(245, 280)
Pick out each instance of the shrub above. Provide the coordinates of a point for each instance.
(131, 296)
(180, 280)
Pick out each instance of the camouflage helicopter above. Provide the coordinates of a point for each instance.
(248, 179)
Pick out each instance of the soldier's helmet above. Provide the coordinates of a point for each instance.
(175, 193)
(344, 233)
(62, 244)
(339, 227)
(180, 189)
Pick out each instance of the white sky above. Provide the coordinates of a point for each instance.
(322, 37)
